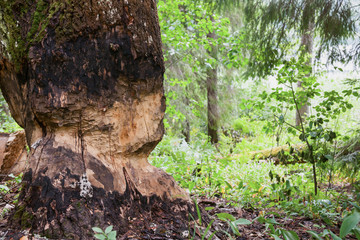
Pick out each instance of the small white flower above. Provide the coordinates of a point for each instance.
(153, 226)
(185, 234)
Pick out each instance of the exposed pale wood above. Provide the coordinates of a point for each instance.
(13, 158)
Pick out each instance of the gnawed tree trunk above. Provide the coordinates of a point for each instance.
(85, 81)
(307, 50)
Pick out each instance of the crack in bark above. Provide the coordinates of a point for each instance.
(41, 152)
(81, 137)
(147, 131)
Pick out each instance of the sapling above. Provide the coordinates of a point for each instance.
(311, 130)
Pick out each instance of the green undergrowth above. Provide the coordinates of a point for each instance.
(7, 123)
(262, 184)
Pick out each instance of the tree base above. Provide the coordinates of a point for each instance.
(61, 213)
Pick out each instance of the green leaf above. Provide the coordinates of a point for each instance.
(108, 229)
(198, 212)
(333, 235)
(209, 208)
(228, 185)
(302, 137)
(112, 235)
(349, 223)
(207, 229)
(242, 221)
(315, 235)
(98, 230)
(289, 235)
(356, 206)
(356, 232)
(191, 186)
(313, 134)
(275, 237)
(326, 219)
(212, 235)
(100, 236)
(226, 216)
(329, 157)
(271, 220)
(234, 229)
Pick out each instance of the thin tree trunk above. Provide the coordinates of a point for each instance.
(212, 105)
(186, 125)
(212, 98)
(307, 49)
(85, 80)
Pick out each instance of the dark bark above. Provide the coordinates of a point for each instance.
(212, 98)
(186, 125)
(212, 105)
(88, 90)
(186, 131)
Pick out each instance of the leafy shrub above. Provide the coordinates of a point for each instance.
(242, 124)
(108, 234)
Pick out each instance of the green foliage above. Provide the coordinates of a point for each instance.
(286, 234)
(108, 234)
(7, 123)
(349, 223)
(206, 234)
(282, 188)
(312, 131)
(272, 34)
(233, 222)
(189, 53)
(242, 125)
(204, 170)
(8, 187)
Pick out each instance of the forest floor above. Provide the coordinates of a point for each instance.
(258, 227)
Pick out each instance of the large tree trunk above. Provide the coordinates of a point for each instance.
(85, 80)
(307, 50)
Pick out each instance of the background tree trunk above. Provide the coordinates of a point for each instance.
(85, 81)
(186, 124)
(212, 98)
(212, 105)
(307, 49)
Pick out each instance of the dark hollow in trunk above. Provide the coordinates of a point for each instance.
(85, 81)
